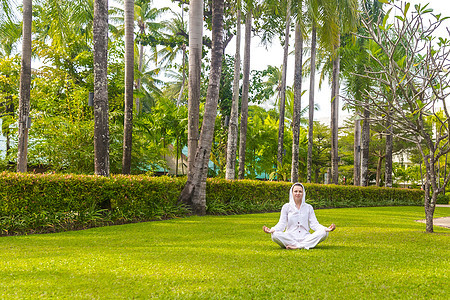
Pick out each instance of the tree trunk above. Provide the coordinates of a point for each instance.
(195, 63)
(234, 115)
(129, 82)
(429, 204)
(183, 81)
(312, 82)
(297, 101)
(357, 154)
(245, 88)
(365, 141)
(283, 92)
(25, 87)
(139, 80)
(379, 164)
(389, 149)
(101, 109)
(335, 117)
(194, 192)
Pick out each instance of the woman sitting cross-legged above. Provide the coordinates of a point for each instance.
(297, 217)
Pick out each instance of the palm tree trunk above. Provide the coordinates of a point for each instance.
(283, 92)
(139, 80)
(234, 118)
(297, 101)
(194, 192)
(129, 81)
(101, 108)
(389, 149)
(357, 154)
(245, 88)
(312, 82)
(183, 81)
(365, 140)
(335, 117)
(25, 87)
(379, 163)
(195, 62)
(183, 66)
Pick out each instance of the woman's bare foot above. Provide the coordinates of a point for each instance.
(291, 247)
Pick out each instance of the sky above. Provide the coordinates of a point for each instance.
(262, 57)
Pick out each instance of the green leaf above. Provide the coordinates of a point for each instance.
(386, 17)
(407, 5)
(401, 61)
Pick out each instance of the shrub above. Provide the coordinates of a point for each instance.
(32, 203)
(443, 199)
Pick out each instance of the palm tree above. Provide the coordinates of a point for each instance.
(234, 115)
(283, 87)
(245, 89)
(339, 17)
(194, 192)
(146, 16)
(195, 61)
(297, 100)
(101, 106)
(25, 87)
(129, 83)
(311, 101)
(177, 36)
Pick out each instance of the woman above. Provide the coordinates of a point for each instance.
(297, 217)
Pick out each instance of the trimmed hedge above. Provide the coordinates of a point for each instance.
(244, 196)
(54, 202)
(140, 195)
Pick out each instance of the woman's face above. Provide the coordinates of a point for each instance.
(297, 192)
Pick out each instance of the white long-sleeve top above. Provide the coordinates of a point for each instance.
(297, 222)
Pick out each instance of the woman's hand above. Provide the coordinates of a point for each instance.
(267, 229)
(331, 228)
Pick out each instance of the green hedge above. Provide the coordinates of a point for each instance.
(55, 202)
(141, 195)
(246, 196)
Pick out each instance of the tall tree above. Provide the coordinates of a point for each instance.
(280, 152)
(312, 79)
(335, 117)
(234, 115)
(101, 104)
(342, 15)
(415, 86)
(389, 152)
(195, 63)
(297, 100)
(129, 83)
(357, 153)
(365, 144)
(245, 89)
(150, 29)
(194, 192)
(25, 88)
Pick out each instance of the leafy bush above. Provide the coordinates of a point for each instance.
(246, 196)
(54, 202)
(443, 199)
(34, 203)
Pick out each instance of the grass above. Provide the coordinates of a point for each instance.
(375, 253)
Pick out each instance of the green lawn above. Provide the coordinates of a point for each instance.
(375, 253)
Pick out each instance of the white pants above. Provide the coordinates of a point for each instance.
(310, 241)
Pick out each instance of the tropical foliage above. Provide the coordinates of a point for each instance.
(61, 129)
